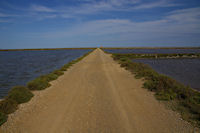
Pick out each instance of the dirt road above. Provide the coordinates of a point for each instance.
(95, 96)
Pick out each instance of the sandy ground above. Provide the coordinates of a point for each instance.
(95, 96)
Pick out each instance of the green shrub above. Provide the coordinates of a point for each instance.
(149, 84)
(162, 95)
(3, 118)
(124, 59)
(193, 108)
(74, 61)
(38, 84)
(195, 98)
(58, 72)
(63, 69)
(66, 66)
(49, 77)
(126, 64)
(8, 106)
(20, 94)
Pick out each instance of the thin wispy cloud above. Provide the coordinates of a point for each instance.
(3, 15)
(186, 15)
(156, 4)
(122, 2)
(167, 25)
(88, 8)
(3, 18)
(116, 5)
(4, 21)
(40, 8)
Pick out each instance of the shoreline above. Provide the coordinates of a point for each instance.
(141, 70)
(38, 49)
(34, 49)
(40, 83)
(158, 56)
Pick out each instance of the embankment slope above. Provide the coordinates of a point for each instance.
(95, 95)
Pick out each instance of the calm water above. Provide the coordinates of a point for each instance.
(186, 71)
(19, 67)
(153, 51)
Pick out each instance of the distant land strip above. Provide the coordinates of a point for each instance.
(152, 56)
(150, 47)
(44, 49)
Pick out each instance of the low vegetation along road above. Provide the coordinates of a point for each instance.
(96, 95)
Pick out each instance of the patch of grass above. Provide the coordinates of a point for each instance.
(165, 88)
(150, 85)
(38, 84)
(3, 118)
(166, 96)
(66, 66)
(49, 77)
(20, 94)
(8, 106)
(58, 72)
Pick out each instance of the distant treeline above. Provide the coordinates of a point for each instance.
(134, 56)
(150, 47)
(43, 49)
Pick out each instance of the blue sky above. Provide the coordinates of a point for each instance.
(94, 23)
